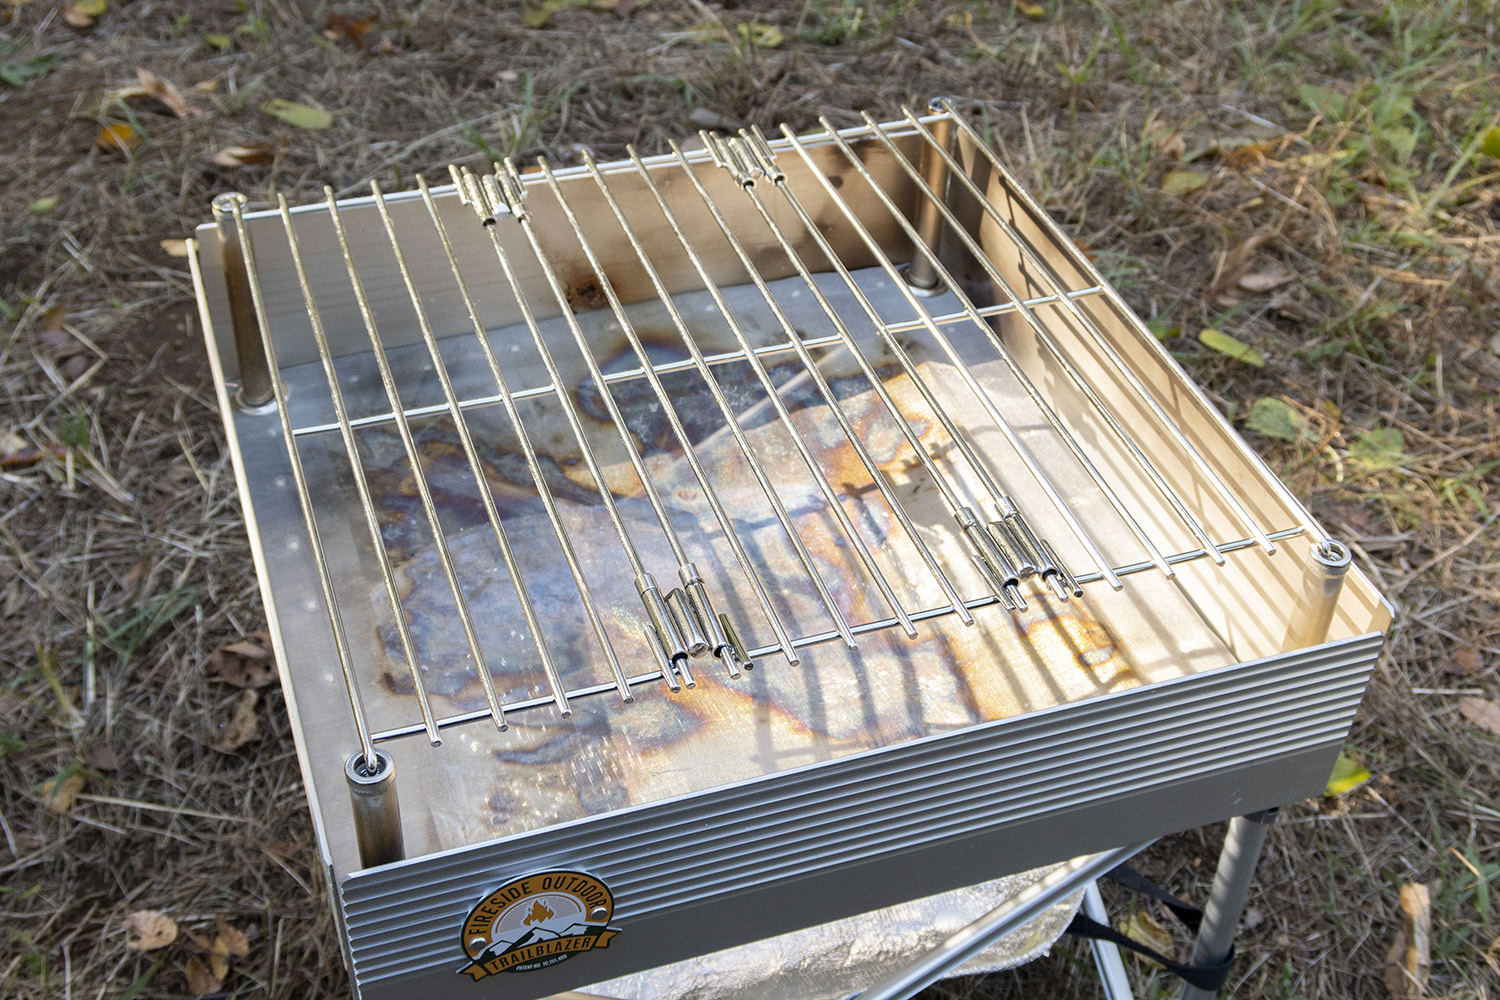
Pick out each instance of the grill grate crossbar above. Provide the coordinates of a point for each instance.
(680, 620)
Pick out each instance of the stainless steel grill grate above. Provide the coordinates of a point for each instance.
(519, 451)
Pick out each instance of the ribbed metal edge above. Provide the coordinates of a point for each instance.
(683, 852)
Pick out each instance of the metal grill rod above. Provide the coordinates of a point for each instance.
(528, 451)
(424, 490)
(362, 486)
(470, 193)
(973, 385)
(512, 566)
(1000, 562)
(685, 567)
(726, 157)
(1050, 343)
(663, 635)
(863, 628)
(668, 367)
(1012, 550)
(669, 410)
(802, 349)
(732, 421)
(299, 480)
(1087, 268)
(830, 496)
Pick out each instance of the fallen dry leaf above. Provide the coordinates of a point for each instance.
(60, 792)
(1142, 928)
(252, 155)
(239, 725)
(228, 942)
(175, 248)
(337, 27)
(84, 13)
(52, 319)
(1409, 962)
(1263, 281)
(247, 663)
(201, 982)
(1483, 713)
(164, 92)
(1466, 661)
(231, 941)
(120, 136)
(103, 758)
(150, 930)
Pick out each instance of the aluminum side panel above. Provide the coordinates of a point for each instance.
(890, 824)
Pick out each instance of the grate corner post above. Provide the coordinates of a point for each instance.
(1231, 890)
(377, 811)
(1322, 582)
(255, 393)
(922, 273)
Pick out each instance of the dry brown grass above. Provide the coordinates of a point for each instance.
(124, 562)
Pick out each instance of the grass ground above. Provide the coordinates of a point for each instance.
(1317, 180)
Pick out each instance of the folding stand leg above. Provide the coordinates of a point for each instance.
(1106, 954)
(1226, 901)
(1009, 915)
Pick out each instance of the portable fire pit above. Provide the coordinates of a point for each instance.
(667, 554)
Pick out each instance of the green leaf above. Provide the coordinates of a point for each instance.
(536, 13)
(1275, 419)
(1347, 775)
(43, 205)
(1490, 144)
(17, 71)
(1379, 448)
(1181, 182)
(760, 36)
(1218, 340)
(1160, 330)
(300, 115)
(216, 40)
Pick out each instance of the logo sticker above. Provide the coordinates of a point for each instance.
(537, 921)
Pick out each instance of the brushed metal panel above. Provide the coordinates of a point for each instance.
(662, 858)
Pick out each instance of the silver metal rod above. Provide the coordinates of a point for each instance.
(528, 451)
(763, 597)
(570, 410)
(830, 496)
(903, 358)
(1107, 961)
(936, 201)
(984, 398)
(807, 641)
(361, 484)
(920, 273)
(731, 422)
(949, 494)
(1086, 267)
(801, 347)
(377, 811)
(471, 194)
(304, 499)
(735, 155)
(507, 554)
(1322, 582)
(668, 367)
(1016, 912)
(255, 390)
(1226, 900)
(424, 490)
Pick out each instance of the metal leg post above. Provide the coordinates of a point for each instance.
(1106, 954)
(1226, 901)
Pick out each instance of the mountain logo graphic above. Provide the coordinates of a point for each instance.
(535, 921)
